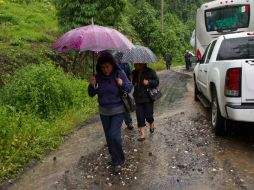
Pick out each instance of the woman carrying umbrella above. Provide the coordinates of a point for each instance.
(106, 84)
(144, 78)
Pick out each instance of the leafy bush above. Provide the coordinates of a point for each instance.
(159, 65)
(43, 90)
(24, 137)
(73, 14)
(19, 139)
(38, 106)
(28, 1)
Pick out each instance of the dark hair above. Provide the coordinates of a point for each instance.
(105, 57)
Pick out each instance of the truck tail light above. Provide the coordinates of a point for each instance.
(233, 82)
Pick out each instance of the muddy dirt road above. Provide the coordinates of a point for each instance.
(183, 153)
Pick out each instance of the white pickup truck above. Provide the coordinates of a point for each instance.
(224, 80)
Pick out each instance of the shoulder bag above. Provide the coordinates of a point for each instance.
(154, 93)
(128, 100)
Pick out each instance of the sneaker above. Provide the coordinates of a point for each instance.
(117, 169)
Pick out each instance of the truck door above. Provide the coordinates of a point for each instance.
(200, 77)
(204, 78)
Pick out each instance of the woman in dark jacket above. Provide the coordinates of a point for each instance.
(106, 84)
(144, 78)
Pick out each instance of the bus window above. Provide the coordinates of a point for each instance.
(227, 18)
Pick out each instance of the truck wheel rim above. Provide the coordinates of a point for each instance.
(214, 112)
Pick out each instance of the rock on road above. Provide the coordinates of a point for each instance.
(183, 153)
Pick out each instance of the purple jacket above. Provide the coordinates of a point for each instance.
(107, 89)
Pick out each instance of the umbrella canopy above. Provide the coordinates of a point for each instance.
(139, 54)
(92, 38)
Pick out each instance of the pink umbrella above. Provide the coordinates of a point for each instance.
(93, 38)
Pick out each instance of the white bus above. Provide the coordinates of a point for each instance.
(221, 17)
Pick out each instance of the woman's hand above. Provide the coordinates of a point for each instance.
(93, 81)
(119, 82)
(146, 82)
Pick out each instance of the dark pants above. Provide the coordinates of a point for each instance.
(188, 65)
(112, 129)
(144, 113)
(127, 119)
(168, 66)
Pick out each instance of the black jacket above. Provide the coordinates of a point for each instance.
(140, 91)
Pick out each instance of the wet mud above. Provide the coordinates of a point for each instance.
(183, 153)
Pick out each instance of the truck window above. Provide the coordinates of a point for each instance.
(251, 47)
(204, 56)
(236, 48)
(209, 54)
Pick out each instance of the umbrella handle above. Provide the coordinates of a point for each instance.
(93, 65)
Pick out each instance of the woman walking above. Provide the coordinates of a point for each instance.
(143, 79)
(106, 84)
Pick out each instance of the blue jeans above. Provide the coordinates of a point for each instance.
(127, 119)
(112, 129)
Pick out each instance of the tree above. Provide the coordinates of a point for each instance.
(75, 13)
(145, 22)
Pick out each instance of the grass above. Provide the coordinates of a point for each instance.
(161, 65)
(37, 137)
(30, 23)
(38, 107)
(26, 35)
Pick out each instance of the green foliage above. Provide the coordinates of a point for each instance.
(19, 134)
(174, 39)
(26, 35)
(139, 20)
(76, 13)
(40, 104)
(37, 107)
(43, 90)
(20, 24)
(184, 10)
(159, 65)
(145, 22)
(27, 1)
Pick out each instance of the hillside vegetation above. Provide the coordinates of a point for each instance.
(140, 20)
(27, 32)
(28, 28)
(43, 93)
(39, 103)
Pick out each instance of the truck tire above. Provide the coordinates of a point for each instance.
(219, 123)
(196, 91)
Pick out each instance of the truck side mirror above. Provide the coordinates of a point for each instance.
(194, 59)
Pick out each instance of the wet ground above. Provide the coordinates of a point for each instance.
(183, 153)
